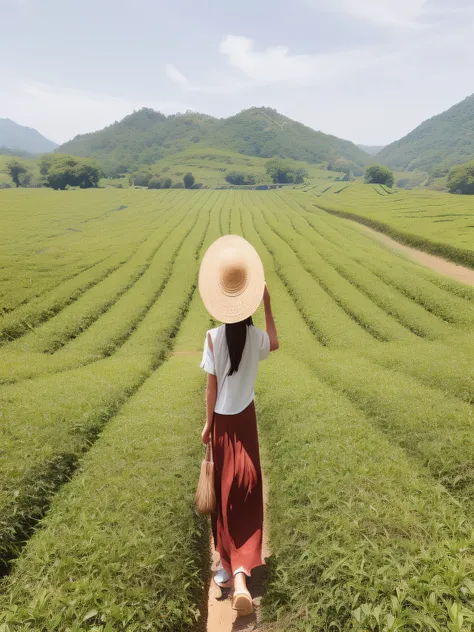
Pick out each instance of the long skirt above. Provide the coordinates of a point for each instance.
(237, 523)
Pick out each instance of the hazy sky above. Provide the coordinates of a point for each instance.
(365, 70)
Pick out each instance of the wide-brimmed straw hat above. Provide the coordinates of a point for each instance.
(231, 279)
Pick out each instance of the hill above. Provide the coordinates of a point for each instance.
(24, 139)
(437, 144)
(146, 136)
(372, 150)
(210, 167)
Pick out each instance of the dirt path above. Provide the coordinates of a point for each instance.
(438, 264)
(221, 617)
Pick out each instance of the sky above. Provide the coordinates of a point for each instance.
(365, 70)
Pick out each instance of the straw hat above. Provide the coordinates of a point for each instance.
(231, 279)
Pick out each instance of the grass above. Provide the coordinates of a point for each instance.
(210, 166)
(122, 546)
(439, 223)
(366, 418)
(85, 399)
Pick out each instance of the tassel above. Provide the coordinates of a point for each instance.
(205, 499)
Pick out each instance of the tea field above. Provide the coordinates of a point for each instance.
(439, 223)
(365, 416)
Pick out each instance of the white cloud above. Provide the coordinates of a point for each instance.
(276, 64)
(175, 75)
(61, 113)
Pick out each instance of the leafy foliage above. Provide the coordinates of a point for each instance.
(239, 177)
(281, 172)
(461, 179)
(146, 136)
(188, 180)
(378, 174)
(15, 169)
(63, 171)
(442, 141)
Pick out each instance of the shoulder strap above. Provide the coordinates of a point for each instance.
(209, 341)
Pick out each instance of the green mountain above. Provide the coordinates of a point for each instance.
(437, 144)
(146, 136)
(372, 150)
(18, 138)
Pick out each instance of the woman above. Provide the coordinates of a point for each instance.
(231, 283)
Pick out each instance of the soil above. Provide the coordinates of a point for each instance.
(221, 617)
(438, 264)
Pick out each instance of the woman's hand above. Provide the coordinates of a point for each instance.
(205, 434)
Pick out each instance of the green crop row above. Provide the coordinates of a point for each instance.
(329, 323)
(435, 222)
(156, 574)
(122, 547)
(355, 303)
(49, 302)
(433, 427)
(403, 309)
(458, 255)
(73, 319)
(361, 538)
(446, 366)
(61, 414)
(39, 260)
(428, 288)
(452, 302)
(110, 329)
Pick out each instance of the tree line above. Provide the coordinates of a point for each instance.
(56, 171)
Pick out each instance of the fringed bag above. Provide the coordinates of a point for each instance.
(205, 498)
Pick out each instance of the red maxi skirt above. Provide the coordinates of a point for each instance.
(237, 523)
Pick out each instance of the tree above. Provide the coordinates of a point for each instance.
(74, 172)
(142, 178)
(379, 174)
(283, 172)
(237, 177)
(46, 162)
(461, 179)
(154, 183)
(188, 180)
(25, 179)
(60, 176)
(15, 168)
(278, 170)
(300, 175)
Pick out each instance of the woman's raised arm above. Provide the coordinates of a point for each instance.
(270, 323)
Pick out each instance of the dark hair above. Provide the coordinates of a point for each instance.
(236, 335)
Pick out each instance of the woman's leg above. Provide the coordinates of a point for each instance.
(242, 599)
(240, 582)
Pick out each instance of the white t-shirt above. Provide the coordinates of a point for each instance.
(235, 392)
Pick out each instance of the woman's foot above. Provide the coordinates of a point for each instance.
(223, 579)
(242, 599)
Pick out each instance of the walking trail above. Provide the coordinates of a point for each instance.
(220, 616)
(438, 264)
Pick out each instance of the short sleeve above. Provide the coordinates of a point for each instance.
(264, 350)
(207, 362)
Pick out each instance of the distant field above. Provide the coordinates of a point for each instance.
(439, 223)
(365, 414)
(210, 166)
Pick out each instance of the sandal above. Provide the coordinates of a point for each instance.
(242, 602)
(223, 579)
